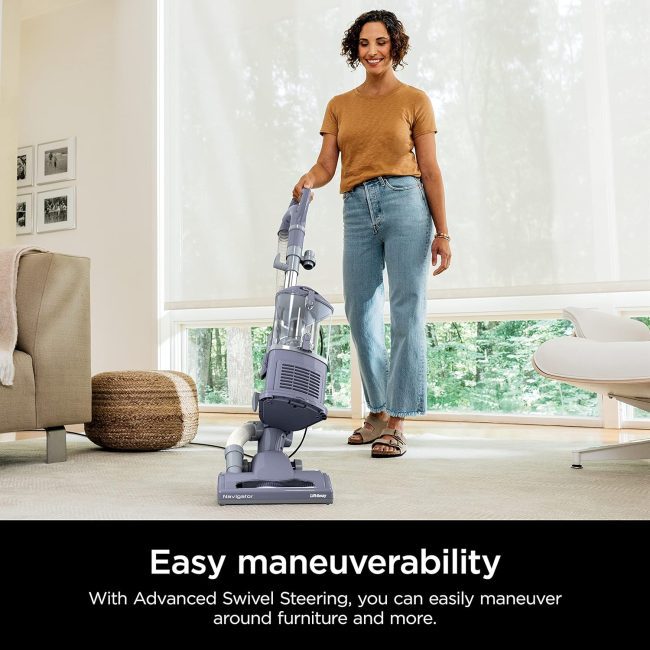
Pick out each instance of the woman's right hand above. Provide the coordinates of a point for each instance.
(306, 180)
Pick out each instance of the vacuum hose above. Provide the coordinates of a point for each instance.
(235, 446)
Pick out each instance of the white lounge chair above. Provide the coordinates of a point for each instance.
(608, 354)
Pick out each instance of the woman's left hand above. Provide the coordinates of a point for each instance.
(440, 248)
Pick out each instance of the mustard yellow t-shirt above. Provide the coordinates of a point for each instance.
(375, 134)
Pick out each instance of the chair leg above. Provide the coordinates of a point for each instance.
(56, 449)
(623, 451)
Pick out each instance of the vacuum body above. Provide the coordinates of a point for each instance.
(295, 373)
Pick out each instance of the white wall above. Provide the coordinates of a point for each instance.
(88, 69)
(9, 59)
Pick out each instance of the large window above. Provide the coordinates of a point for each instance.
(473, 366)
(544, 145)
(543, 140)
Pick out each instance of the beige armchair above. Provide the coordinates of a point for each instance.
(52, 383)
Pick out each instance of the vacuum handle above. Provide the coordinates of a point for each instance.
(297, 225)
(296, 215)
(303, 206)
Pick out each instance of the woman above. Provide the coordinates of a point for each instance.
(389, 201)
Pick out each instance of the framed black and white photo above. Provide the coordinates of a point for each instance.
(56, 210)
(24, 214)
(55, 161)
(25, 167)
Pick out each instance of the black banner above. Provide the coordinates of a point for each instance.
(459, 580)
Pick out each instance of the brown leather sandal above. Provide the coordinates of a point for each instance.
(395, 441)
(369, 435)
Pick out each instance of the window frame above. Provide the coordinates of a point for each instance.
(613, 414)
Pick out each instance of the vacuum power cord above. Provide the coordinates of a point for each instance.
(207, 444)
(304, 435)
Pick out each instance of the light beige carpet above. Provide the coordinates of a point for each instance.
(442, 477)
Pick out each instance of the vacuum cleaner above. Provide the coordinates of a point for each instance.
(295, 371)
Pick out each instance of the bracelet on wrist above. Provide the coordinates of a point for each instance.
(442, 235)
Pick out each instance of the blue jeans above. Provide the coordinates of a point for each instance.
(387, 223)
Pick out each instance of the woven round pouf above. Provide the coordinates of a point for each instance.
(143, 410)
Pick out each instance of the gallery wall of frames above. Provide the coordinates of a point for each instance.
(45, 197)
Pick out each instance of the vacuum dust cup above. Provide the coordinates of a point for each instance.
(295, 367)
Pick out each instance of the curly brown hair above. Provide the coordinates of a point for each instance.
(399, 40)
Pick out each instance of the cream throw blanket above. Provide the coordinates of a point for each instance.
(9, 260)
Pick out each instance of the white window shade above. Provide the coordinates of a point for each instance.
(543, 141)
